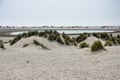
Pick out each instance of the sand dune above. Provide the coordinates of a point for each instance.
(44, 41)
(92, 39)
(59, 63)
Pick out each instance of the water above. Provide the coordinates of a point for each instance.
(69, 31)
(81, 31)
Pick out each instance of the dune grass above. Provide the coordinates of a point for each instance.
(25, 45)
(108, 43)
(2, 44)
(84, 45)
(39, 44)
(97, 46)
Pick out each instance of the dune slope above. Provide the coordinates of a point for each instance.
(58, 63)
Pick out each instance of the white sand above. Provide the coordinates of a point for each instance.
(44, 41)
(62, 63)
(6, 39)
(92, 39)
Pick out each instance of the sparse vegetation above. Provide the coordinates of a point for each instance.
(118, 36)
(114, 40)
(56, 33)
(17, 38)
(52, 37)
(96, 46)
(83, 45)
(59, 40)
(36, 42)
(108, 43)
(97, 35)
(1, 44)
(25, 45)
(105, 36)
(80, 38)
(39, 44)
(75, 44)
(33, 33)
(1, 41)
(41, 34)
(44, 47)
(118, 40)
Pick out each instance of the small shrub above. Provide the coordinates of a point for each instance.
(44, 47)
(45, 36)
(1, 44)
(111, 36)
(97, 35)
(89, 35)
(96, 46)
(118, 40)
(114, 40)
(17, 38)
(83, 45)
(35, 32)
(80, 38)
(1, 41)
(73, 39)
(29, 34)
(39, 44)
(41, 34)
(52, 37)
(56, 33)
(36, 43)
(59, 40)
(25, 45)
(75, 44)
(46, 31)
(105, 36)
(118, 36)
(67, 42)
(24, 34)
(64, 35)
(108, 43)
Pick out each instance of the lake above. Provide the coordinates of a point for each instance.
(70, 31)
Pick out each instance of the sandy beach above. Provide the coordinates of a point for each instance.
(58, 63)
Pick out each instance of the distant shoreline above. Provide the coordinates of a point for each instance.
(5, 32)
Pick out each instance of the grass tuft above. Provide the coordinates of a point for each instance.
(83, 45)
(97, 46)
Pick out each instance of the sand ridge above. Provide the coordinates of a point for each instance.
(61, 63)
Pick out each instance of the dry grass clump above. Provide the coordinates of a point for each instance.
(2, 44)
(80, 38)
(25, 45)
(97, 46)
(39, 44)
(108, 43)
(17, 38)
(105, 36)
(52, 37)
(97, 35)
(83, 45)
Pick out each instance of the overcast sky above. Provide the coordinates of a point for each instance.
(60, 12)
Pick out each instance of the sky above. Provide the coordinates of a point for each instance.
(60, 12)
